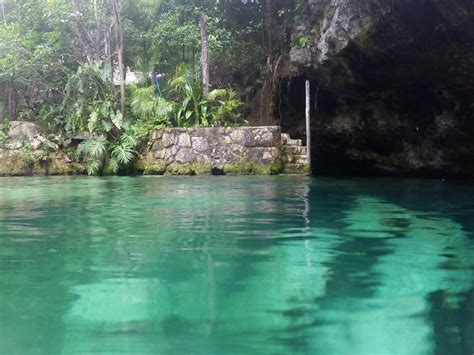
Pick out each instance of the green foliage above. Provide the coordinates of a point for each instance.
(30, 157)
(303, 41)
(88, 100)
(34, 60)
(76, 155)
(3, 136)
(185, 106)
(148, 107)
(115, 148)
(42, 154)
(225, 104)
(175, 36)
(26, 154)
(94, 149)
(123, 152)
(56, 59)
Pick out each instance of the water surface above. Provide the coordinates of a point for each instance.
(236, 265)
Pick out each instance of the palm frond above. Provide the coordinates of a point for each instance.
(96, 147)
(217, 94)
(162, 107)
(123, 153)
(129, 139)
(113, 165)
(93, 165)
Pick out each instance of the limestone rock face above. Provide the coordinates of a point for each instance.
(28, 152)
(19, 130)
(392, 85)
(19, 163)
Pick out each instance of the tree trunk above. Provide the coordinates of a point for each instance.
(98, 16)
(267, 24)
(269, 87)
(88, 44)
(3, 12)
(204, 53)
(12, 104)
(108, 50)
(119, 43)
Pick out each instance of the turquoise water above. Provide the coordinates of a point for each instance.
(236, 265)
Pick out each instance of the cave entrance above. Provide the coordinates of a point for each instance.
(291, 105)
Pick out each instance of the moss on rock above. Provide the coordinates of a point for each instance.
(202, 168)
(14, 163)
(180, 169)
(237, 168)
(149, 166)
(251, 168)
(296, 169)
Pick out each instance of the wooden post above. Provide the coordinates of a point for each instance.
(308, 126)
(118, 18)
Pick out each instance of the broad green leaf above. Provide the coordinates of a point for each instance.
(93, 166)
(96, 147)
(117, 119)
(123, 153)
(106, 126)
(93, 117)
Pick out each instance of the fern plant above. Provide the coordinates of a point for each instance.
(186, 105)
(99, 151)
(148, 107)
(3, 137)
(94, 149)
(123, 151)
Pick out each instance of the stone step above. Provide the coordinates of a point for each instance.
(285, 137)
(294, 142)
(287, 155)
(296, 169)
(295, 159)
(293, 149)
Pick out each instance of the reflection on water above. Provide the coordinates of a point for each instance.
(408, 261)
(236, 265)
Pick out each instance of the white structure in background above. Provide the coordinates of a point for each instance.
(131, 77)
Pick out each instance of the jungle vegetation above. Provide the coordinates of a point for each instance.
(64, 64)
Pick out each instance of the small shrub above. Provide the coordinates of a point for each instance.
(3, 136)
(185, 105)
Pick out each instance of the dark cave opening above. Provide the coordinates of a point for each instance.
(291, 105)
(398, 131)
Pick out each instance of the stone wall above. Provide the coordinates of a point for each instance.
(222, 150)
(25, 150)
